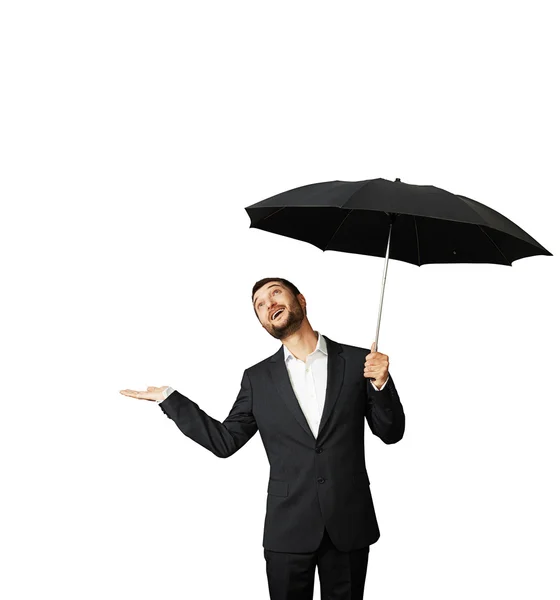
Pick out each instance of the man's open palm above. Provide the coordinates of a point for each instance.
(152, 393)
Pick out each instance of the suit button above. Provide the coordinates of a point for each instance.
(321, 480)
(318, 450)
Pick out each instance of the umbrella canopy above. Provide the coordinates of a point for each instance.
(418, 224)
(430, 225)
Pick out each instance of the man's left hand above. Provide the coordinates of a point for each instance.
(376, 366)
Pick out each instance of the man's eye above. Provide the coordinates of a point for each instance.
(276, 290)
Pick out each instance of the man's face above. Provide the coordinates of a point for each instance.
(271, 298)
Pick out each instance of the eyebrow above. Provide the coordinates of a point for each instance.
(274, 284)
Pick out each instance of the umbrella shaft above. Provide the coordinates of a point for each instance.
(383, 288)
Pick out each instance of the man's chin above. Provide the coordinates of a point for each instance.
(283, 332)
(277, 333)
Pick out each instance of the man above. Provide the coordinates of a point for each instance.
(308, 401)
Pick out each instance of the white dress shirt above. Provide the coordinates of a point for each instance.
(309, 382)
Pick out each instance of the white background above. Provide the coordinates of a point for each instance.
(133, 134)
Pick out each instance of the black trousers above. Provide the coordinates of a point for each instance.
(342, 575)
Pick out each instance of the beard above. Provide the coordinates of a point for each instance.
(291, 320)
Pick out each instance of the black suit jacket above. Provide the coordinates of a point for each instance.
(314, 482)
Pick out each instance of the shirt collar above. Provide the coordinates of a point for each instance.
(321, 346)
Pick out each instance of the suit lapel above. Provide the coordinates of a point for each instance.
(335, 376)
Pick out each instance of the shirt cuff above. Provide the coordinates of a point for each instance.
(166, 392)
(376, 388)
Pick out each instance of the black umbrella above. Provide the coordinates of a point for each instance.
(418, 224)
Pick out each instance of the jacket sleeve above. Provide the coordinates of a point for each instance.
(222, 439)
(384, 412)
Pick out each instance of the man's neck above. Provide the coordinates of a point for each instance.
(302, 343)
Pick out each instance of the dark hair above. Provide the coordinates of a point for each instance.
(284, 282)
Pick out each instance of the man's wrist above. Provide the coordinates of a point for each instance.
(166, 393)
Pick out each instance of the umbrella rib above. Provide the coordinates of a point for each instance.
(417, 241)
(270, 215)
(351, 211)
(496, 245)
(339, 226)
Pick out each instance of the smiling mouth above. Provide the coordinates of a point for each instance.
(278, 314)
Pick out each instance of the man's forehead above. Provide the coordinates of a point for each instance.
(266, 286)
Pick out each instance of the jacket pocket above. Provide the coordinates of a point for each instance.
(277, 487)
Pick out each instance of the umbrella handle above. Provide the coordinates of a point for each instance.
(383, 285)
